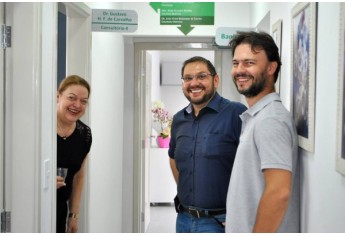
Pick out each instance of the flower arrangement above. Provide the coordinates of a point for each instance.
(161, 116)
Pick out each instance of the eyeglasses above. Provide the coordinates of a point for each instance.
(199, 77)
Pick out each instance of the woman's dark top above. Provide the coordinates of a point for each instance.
(71, 152)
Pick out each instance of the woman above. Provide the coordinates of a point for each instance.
(73, 144)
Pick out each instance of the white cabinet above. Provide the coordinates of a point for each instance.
(163, 188)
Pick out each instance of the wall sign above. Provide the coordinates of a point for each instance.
(185, 14)
(109, 20)
(225, 34)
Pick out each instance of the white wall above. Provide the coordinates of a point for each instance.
(323, 206)
(323, 187)
(106, 116)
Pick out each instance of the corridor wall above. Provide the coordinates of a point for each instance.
(111, 168)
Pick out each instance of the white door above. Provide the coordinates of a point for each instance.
(22, 117)
(18, 133)
(28, 109)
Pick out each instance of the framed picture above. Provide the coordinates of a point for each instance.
(277, 36)
(340, 160)
(303, 72)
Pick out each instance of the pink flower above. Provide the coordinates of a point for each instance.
(161, 115)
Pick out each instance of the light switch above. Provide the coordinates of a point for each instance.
(46, 174)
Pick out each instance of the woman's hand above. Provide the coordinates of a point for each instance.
(72, 225)
(60, 182)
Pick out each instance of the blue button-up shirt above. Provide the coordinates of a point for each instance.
(204, 149)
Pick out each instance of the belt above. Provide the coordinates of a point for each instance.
(201, 213)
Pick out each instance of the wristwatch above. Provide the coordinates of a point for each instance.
(73, 215)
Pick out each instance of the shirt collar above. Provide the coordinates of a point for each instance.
(259, 105)
(214, 104)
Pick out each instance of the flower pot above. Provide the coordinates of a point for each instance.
(163, 142)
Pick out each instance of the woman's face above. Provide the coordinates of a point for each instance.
(72, 103)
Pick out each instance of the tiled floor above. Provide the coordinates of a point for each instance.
(163, 219)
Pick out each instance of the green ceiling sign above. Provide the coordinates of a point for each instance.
(185, 14)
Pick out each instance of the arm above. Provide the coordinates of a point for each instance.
(78, 182)
(174, 169)
(274, 200)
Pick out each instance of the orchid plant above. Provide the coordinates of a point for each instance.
(161, 116)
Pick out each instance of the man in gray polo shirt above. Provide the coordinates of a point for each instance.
(263, 194)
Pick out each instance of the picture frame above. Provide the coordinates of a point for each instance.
(303, 45)
(277, 36)
(340, 156)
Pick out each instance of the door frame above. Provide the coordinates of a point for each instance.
(2, 117)
(78, 61)
(140, 46)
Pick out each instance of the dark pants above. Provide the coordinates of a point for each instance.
(61, 216)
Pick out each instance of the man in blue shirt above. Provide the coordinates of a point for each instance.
(204, 140)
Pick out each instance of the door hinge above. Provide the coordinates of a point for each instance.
(6, 34)
(5, 222)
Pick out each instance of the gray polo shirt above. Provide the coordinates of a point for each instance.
(268, 141)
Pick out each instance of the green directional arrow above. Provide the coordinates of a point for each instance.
(155, 6)
(185, 28)
(185, 14)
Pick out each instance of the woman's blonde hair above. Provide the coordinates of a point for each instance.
(73, 80)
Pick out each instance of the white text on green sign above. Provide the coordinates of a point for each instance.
(185, 14)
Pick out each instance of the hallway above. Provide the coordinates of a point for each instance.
(163, 219)
(108, 61)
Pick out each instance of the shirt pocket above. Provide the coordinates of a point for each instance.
(218, 146)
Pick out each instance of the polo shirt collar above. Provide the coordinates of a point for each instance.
(259, 105)
(214, 104)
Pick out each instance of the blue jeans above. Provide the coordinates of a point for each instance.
(186, 223)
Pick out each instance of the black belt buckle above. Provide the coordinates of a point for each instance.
(194, 212)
